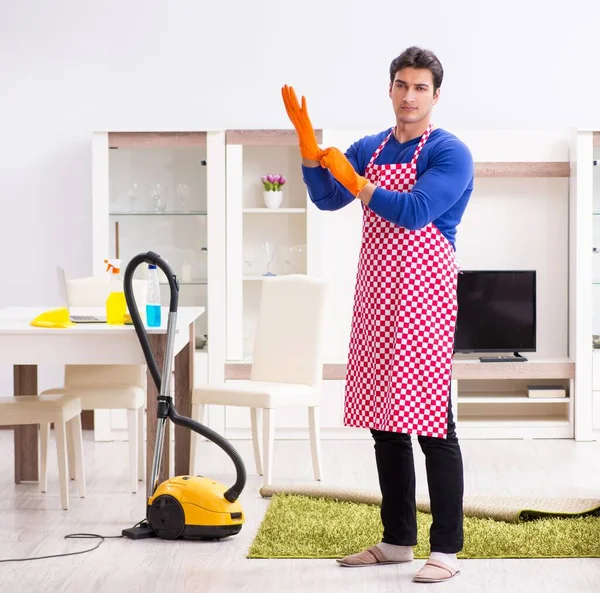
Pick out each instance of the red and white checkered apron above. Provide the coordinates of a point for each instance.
(402, 336)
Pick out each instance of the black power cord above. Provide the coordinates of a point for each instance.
(72, 536)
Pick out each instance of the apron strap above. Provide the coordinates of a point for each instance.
(424, 139)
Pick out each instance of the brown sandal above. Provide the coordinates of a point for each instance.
(434, 571)
(370, 557)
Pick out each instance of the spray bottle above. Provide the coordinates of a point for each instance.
(116, 305)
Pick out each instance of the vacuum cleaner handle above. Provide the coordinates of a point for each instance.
(148, 258)
(153, 258)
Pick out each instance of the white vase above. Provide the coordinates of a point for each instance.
(273, 198)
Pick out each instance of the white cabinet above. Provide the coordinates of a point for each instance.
(518, 218)
(584, 296)
(595, 415)
(165, 192)
(221, 238)
(260, 240)
(300, 239)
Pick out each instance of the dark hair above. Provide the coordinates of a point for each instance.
(415, 57)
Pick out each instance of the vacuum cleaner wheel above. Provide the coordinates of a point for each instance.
(167, 517)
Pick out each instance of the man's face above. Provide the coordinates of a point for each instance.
(412, 94)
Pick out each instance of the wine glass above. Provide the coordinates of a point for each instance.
(249, 260)
(294, 255)
(183, 194)
(249, 330)
(289, 259)
(269, 248)
(160, 204)
(133, 194)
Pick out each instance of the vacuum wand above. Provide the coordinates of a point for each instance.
(166, 408)
(151, 258)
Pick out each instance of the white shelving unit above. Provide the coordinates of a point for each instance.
(261, 240)
(585, 259)
(595, 402)
(524, 172)
(178, 212)
(257, 236)
(491, 401)
(531, 209)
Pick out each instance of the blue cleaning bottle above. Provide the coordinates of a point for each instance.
(153, 318)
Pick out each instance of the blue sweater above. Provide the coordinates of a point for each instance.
(440, 195)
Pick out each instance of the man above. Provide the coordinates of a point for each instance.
(413, 182)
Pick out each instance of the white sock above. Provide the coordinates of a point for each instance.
(449, 559)
(396, 553)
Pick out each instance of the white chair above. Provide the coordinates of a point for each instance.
(64, 412)
(287, 366)
(110, 387)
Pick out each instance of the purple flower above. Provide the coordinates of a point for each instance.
(273, 182)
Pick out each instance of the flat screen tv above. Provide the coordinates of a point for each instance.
(496, 311)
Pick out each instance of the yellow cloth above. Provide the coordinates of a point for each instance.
(54, 318)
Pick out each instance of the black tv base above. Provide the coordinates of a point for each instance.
(516, 357)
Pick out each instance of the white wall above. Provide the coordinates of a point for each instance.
(71, 67)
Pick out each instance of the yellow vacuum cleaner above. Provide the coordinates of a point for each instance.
(189, 507)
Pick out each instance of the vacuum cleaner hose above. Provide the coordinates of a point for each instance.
(153, 258)
(234, 492)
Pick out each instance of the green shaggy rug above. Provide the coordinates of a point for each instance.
(296, 526)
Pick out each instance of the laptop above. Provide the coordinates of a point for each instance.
(78, 314)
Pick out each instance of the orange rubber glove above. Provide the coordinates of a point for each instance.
(309, 148)
(341, 168)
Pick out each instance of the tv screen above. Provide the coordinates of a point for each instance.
(496, 311)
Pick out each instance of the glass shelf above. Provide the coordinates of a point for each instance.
(190, 283)
(198, 213)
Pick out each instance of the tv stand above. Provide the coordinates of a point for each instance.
(516, 357)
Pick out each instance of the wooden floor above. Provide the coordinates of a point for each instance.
(32, 524)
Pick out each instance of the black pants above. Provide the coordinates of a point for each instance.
(443, 462)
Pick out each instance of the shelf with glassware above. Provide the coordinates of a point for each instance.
(164, 192)
(160, 193)
(267, 222)
(269, 233)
